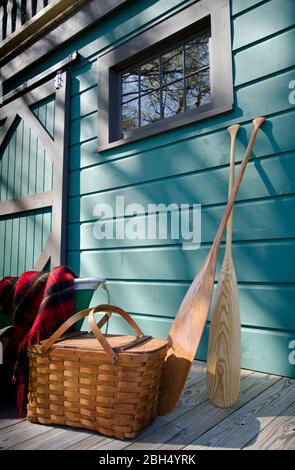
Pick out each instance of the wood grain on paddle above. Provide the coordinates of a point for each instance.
(188, 326)
(224, 349)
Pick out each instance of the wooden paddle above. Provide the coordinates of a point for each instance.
(188, 326)
(224, 349)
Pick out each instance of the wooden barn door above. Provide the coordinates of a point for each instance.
(33, 145)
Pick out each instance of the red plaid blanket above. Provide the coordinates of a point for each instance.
(6, 295)
(38, 303)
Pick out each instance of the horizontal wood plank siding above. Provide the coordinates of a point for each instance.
(261, 304)
(273, 16)
(261, 213)
(190, 165)
(252, 260)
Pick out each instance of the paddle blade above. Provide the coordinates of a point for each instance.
(224, 349)
(189, 323)
(185, 335)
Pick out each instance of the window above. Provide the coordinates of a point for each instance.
(168, 84)
(147, 87)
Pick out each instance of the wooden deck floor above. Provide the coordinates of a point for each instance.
(262, 418)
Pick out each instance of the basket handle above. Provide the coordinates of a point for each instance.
(69, 322)
(95, 328)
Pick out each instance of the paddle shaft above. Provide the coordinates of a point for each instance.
(233, 131)
(224, 346)
(257, 124)
(189, 323)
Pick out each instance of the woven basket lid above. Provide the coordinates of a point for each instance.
(87, 342)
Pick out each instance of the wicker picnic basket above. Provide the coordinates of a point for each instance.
(105, 383)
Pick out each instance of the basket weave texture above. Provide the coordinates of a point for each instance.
(110, 386)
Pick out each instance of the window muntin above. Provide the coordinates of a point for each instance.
(174, 82)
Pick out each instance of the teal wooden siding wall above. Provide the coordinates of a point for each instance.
(24, 170)
(190, 165)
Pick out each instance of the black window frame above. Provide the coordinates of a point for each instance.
(142, 47)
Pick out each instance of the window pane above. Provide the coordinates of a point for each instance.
(197, 90)
(197, 54)
(150, 75)
(129, 85)
(172, 65)
(150, 108)
(173, 99)
(161, 88)
(129, 116)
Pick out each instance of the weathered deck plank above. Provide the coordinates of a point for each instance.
(5, 423)
(57, 438)
(278, 435)
(261, 418)
(20, 432)
(8, 416)
(246, 423)
(193, 424)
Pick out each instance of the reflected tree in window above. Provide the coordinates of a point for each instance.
(171, 83)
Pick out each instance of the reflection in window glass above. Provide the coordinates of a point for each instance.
(173, 99)
(150, 108)
(150, 75)
(197, 90)
(167, 85)
(129, 115)
(129, 86)
(172, 65)
(197, 54)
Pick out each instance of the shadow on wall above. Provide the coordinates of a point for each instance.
(189, 167)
